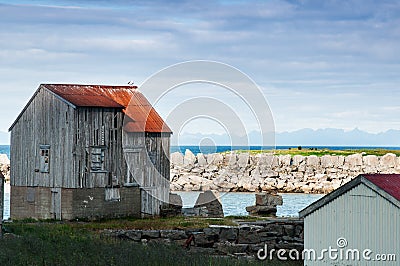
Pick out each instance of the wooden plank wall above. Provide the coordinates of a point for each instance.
(99, 127)
(151, 150)
(46, 121)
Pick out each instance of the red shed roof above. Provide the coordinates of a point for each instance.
(388, 182)
(140, 115)
(386, 185)
(93, 95)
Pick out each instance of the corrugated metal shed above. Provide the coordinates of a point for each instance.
(387, 185)
(364, 214)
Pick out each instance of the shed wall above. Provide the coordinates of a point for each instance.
(364, 218)
(99, 128)
(46, 121)
(147, 155)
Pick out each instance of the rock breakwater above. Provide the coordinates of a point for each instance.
(244, 172)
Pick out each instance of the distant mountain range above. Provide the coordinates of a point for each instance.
(338, 137)
(305, 137)
(302, 137)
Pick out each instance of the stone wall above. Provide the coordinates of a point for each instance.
(90, 203)
(237, 172)
(35, 202)
(245, 239)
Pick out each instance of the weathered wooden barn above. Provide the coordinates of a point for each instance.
(88, 151)
(361, 216)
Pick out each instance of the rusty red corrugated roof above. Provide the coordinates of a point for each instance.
(140, 115)
(388, 182)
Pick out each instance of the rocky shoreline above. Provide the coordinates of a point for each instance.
(244, 172)
(5, 166)
(265, 172)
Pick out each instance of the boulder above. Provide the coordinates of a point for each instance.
(312, 160)
(231, 159)
(215, 158)
(388, 160)
(371, 160)
(189, 159)
(285, 160)
(354, 160)
(4, 159)
(326, 161)
(265, 204)
(243, 159)
(176, 158)
(210, 200)
(298, 159)
(265, 199)
(201, 160)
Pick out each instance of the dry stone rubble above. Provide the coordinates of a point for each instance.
(244, 172)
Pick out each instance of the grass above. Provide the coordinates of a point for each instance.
(179, 222)
(79, 243)
(170, 223)
(321, 152)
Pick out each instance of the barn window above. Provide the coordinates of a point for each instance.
(97, 158)
(44, 158)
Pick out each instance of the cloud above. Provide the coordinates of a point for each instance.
(316, 60)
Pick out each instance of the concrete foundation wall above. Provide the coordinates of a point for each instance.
(91, 203)
(36, 202)
(30, 202)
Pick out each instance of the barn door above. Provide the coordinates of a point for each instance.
(150, 205)
(56, 203)
(135, 166)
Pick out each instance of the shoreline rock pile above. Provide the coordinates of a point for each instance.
(244, 172)
(5, 166)
(265, 204)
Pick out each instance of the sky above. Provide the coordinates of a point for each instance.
(319, 64)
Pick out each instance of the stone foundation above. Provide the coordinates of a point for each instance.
(36, 202)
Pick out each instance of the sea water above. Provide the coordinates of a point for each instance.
(235, 203)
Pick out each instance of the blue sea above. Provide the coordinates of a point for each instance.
(213, 149)
(235, 203)
(5, 149)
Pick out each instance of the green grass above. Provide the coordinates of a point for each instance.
(55, 243)
(179, 222)
(321, 152)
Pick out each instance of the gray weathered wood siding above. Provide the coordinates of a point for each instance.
(46, 121)
(147, 155)
(101, 128)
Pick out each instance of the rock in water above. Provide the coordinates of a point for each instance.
(265, 204)
(210, 200)
(174, 208)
